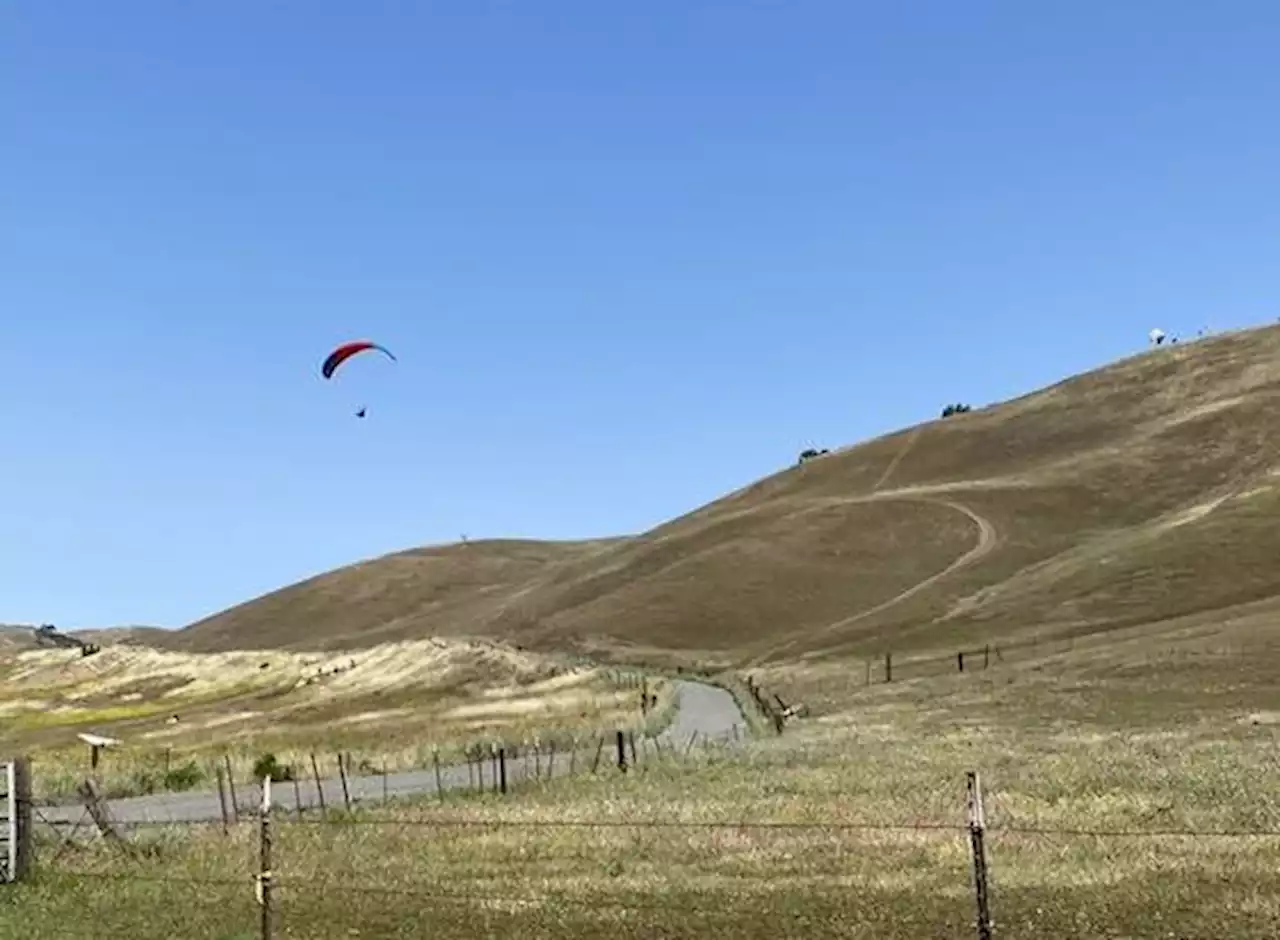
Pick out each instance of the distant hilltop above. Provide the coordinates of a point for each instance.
(48, 636)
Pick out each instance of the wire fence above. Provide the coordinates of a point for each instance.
(136, 769)
(438, 852)
(475, 865)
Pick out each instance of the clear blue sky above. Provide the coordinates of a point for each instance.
(630, 256)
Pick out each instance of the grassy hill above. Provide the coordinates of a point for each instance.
(1141, 491)
(19, 636)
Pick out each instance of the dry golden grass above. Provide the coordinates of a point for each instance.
(389, 707)
(1134, 493)
(1117, 806)
(1111, 537)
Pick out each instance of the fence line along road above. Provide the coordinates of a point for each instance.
(703, 710)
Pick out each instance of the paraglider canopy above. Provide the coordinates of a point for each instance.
(346, 351)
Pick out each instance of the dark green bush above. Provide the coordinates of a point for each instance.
(183, 778)
(268, 766)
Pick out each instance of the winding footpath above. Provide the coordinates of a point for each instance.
(704, 711)
(986, 539)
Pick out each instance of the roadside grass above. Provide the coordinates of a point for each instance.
(402, 725)
(1102, 798)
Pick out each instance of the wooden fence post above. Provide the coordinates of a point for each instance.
(692, 737)
(986, 656)
(342, 775)
(222, 799)
(96, 806)
(264, 866)
(888, 667)
(231, 785)
(315, 773)
(960, 660)
(435, 762)
(25, 807)
(297, 791)
(17, 833)
(622, 751)
(502, 769)
(595, 764)
(977, 831)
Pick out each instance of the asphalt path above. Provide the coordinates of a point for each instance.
(703, 713)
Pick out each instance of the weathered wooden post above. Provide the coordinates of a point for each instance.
(15, 826)
(977, 832)
(264, 866)
(315, 773)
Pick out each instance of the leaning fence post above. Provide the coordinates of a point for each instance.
(342, 775)
(231, 785)
(222, 799)
(692, 737)
(264, 867)
(315, 772)
(595, 764)
(977, 831)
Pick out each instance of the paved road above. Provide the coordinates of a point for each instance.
(704, 712)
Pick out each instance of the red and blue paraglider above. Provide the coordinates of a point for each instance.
(344, 352)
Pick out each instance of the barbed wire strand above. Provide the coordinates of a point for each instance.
(762, 825)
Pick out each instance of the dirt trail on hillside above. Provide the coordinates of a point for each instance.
(897, 459)
(988, 538)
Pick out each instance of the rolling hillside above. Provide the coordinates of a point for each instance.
(1141, 491)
